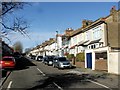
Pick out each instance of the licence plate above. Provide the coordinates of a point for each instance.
(7, 63)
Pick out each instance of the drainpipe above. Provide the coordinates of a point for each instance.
(107, 34)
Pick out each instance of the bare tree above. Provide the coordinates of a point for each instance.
(18, 47)
(19, 24)
(8, 7)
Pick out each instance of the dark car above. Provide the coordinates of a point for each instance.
(17, 55)
(61, 63)
(48, 60)
(33, 57)
(39, 58)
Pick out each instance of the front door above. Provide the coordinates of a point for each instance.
(89, 60)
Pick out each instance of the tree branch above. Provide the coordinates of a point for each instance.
(4, 12)
(18, 25)
(6, 26)
(9, 6)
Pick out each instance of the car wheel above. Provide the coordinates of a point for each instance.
(60, 68)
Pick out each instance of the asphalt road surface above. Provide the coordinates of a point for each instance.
(34, 75)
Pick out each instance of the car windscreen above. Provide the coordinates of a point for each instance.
(62, 59)
(50, 57)
(40, 56)
(7, 59)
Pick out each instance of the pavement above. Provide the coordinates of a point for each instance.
(102, 77)
(2, 80)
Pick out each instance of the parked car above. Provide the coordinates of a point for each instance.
(17, 55)
(33, 57)
(48, 60)
(7, 62)
(39, 58)
(61, 63)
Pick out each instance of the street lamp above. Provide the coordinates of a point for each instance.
(57, 42)
(57, 32)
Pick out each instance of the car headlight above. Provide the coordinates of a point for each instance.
(50, 61)
(61, 63)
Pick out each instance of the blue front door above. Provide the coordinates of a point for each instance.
(89, 60)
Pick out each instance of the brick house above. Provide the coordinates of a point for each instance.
(106, 56)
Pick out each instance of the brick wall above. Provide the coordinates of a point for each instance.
(80, 64)
(101, 64)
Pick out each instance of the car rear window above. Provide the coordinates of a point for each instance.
(62, 59)
(7, 59)
(40, 56)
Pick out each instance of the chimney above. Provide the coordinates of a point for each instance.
(51, 39)
(113, 10)
(68, 31)
(86, 23)
(114, 14)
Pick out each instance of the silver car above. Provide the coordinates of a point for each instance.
(61, 63)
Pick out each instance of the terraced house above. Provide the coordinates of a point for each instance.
(97, 42)
(46, 48)
(5, 49)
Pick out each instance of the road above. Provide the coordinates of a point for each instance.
(34, 75)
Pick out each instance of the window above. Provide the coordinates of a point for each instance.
(97, 33)
(7, 59)
(94, 46)
(62, 59)
(102, 55)
(89, 47)
(88, 35)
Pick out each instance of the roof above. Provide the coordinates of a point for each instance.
(98, 21)
(82, 29)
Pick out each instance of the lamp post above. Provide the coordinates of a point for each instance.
(57, 42)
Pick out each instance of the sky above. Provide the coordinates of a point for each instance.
(45, 18)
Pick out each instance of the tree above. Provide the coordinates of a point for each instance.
(70, 56)
(18, 47)
(27, 50)
(18, 25)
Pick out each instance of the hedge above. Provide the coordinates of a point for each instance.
(80, 57)
(70, 56)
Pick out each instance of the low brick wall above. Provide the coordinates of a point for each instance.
(80, 64)
(101, 64)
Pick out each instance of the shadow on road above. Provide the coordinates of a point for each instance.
(65, 80)
(3, 73)
(23, 63)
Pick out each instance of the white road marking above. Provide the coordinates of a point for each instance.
(40, 71)
(100, 84)
(53, 82)
(57, 86)
(79, 73)
(9, 85)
